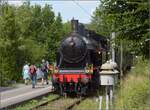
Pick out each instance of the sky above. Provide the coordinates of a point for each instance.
(81, 9)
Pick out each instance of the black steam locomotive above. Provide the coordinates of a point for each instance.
(78, 59)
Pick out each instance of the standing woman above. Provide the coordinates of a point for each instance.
(33, 75)
(26, 73)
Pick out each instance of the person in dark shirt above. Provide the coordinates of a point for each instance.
(44, 69)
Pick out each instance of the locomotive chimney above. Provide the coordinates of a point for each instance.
(81, 29)
(74, 25)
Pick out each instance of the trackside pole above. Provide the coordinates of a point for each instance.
(107, 99)
(113, 47)
(121, 59)
(111, 93)
(111, 97)
(100, 102)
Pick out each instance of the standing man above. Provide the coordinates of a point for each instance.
(44, 70)
(26, 73)
(33, 75)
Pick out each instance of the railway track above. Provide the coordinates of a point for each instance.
(59, 103)
(43, 103)
(14, 106)
(70, 107)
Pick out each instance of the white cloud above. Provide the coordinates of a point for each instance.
(15, 2)
(87, 2)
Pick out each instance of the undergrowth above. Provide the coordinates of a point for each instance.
(135, 88)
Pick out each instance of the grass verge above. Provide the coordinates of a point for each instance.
(135, 88)
(88, 104)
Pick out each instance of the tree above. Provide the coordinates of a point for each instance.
(56, 36)
(128, 18)
(27, 33)
(7, 43)
(66, 28)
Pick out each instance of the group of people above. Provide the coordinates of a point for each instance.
(35, 72)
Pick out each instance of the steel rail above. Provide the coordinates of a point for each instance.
(70, 107)
(44, 103)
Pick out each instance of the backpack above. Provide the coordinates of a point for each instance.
(32, 69)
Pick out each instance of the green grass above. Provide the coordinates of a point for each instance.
(135, 89)
(88, 104)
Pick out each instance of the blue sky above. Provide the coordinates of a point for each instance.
(81, 10)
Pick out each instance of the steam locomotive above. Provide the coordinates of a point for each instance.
(79, 57)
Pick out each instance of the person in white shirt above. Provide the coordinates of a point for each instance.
(26, 73)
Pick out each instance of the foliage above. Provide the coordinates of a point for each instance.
(134, 88)
(27, 33)
(88, 104)
(128, 18)
(66, 28)
(7, 44)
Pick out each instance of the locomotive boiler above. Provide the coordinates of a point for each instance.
(78, 59)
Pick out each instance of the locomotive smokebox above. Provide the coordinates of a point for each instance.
(74, 25)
